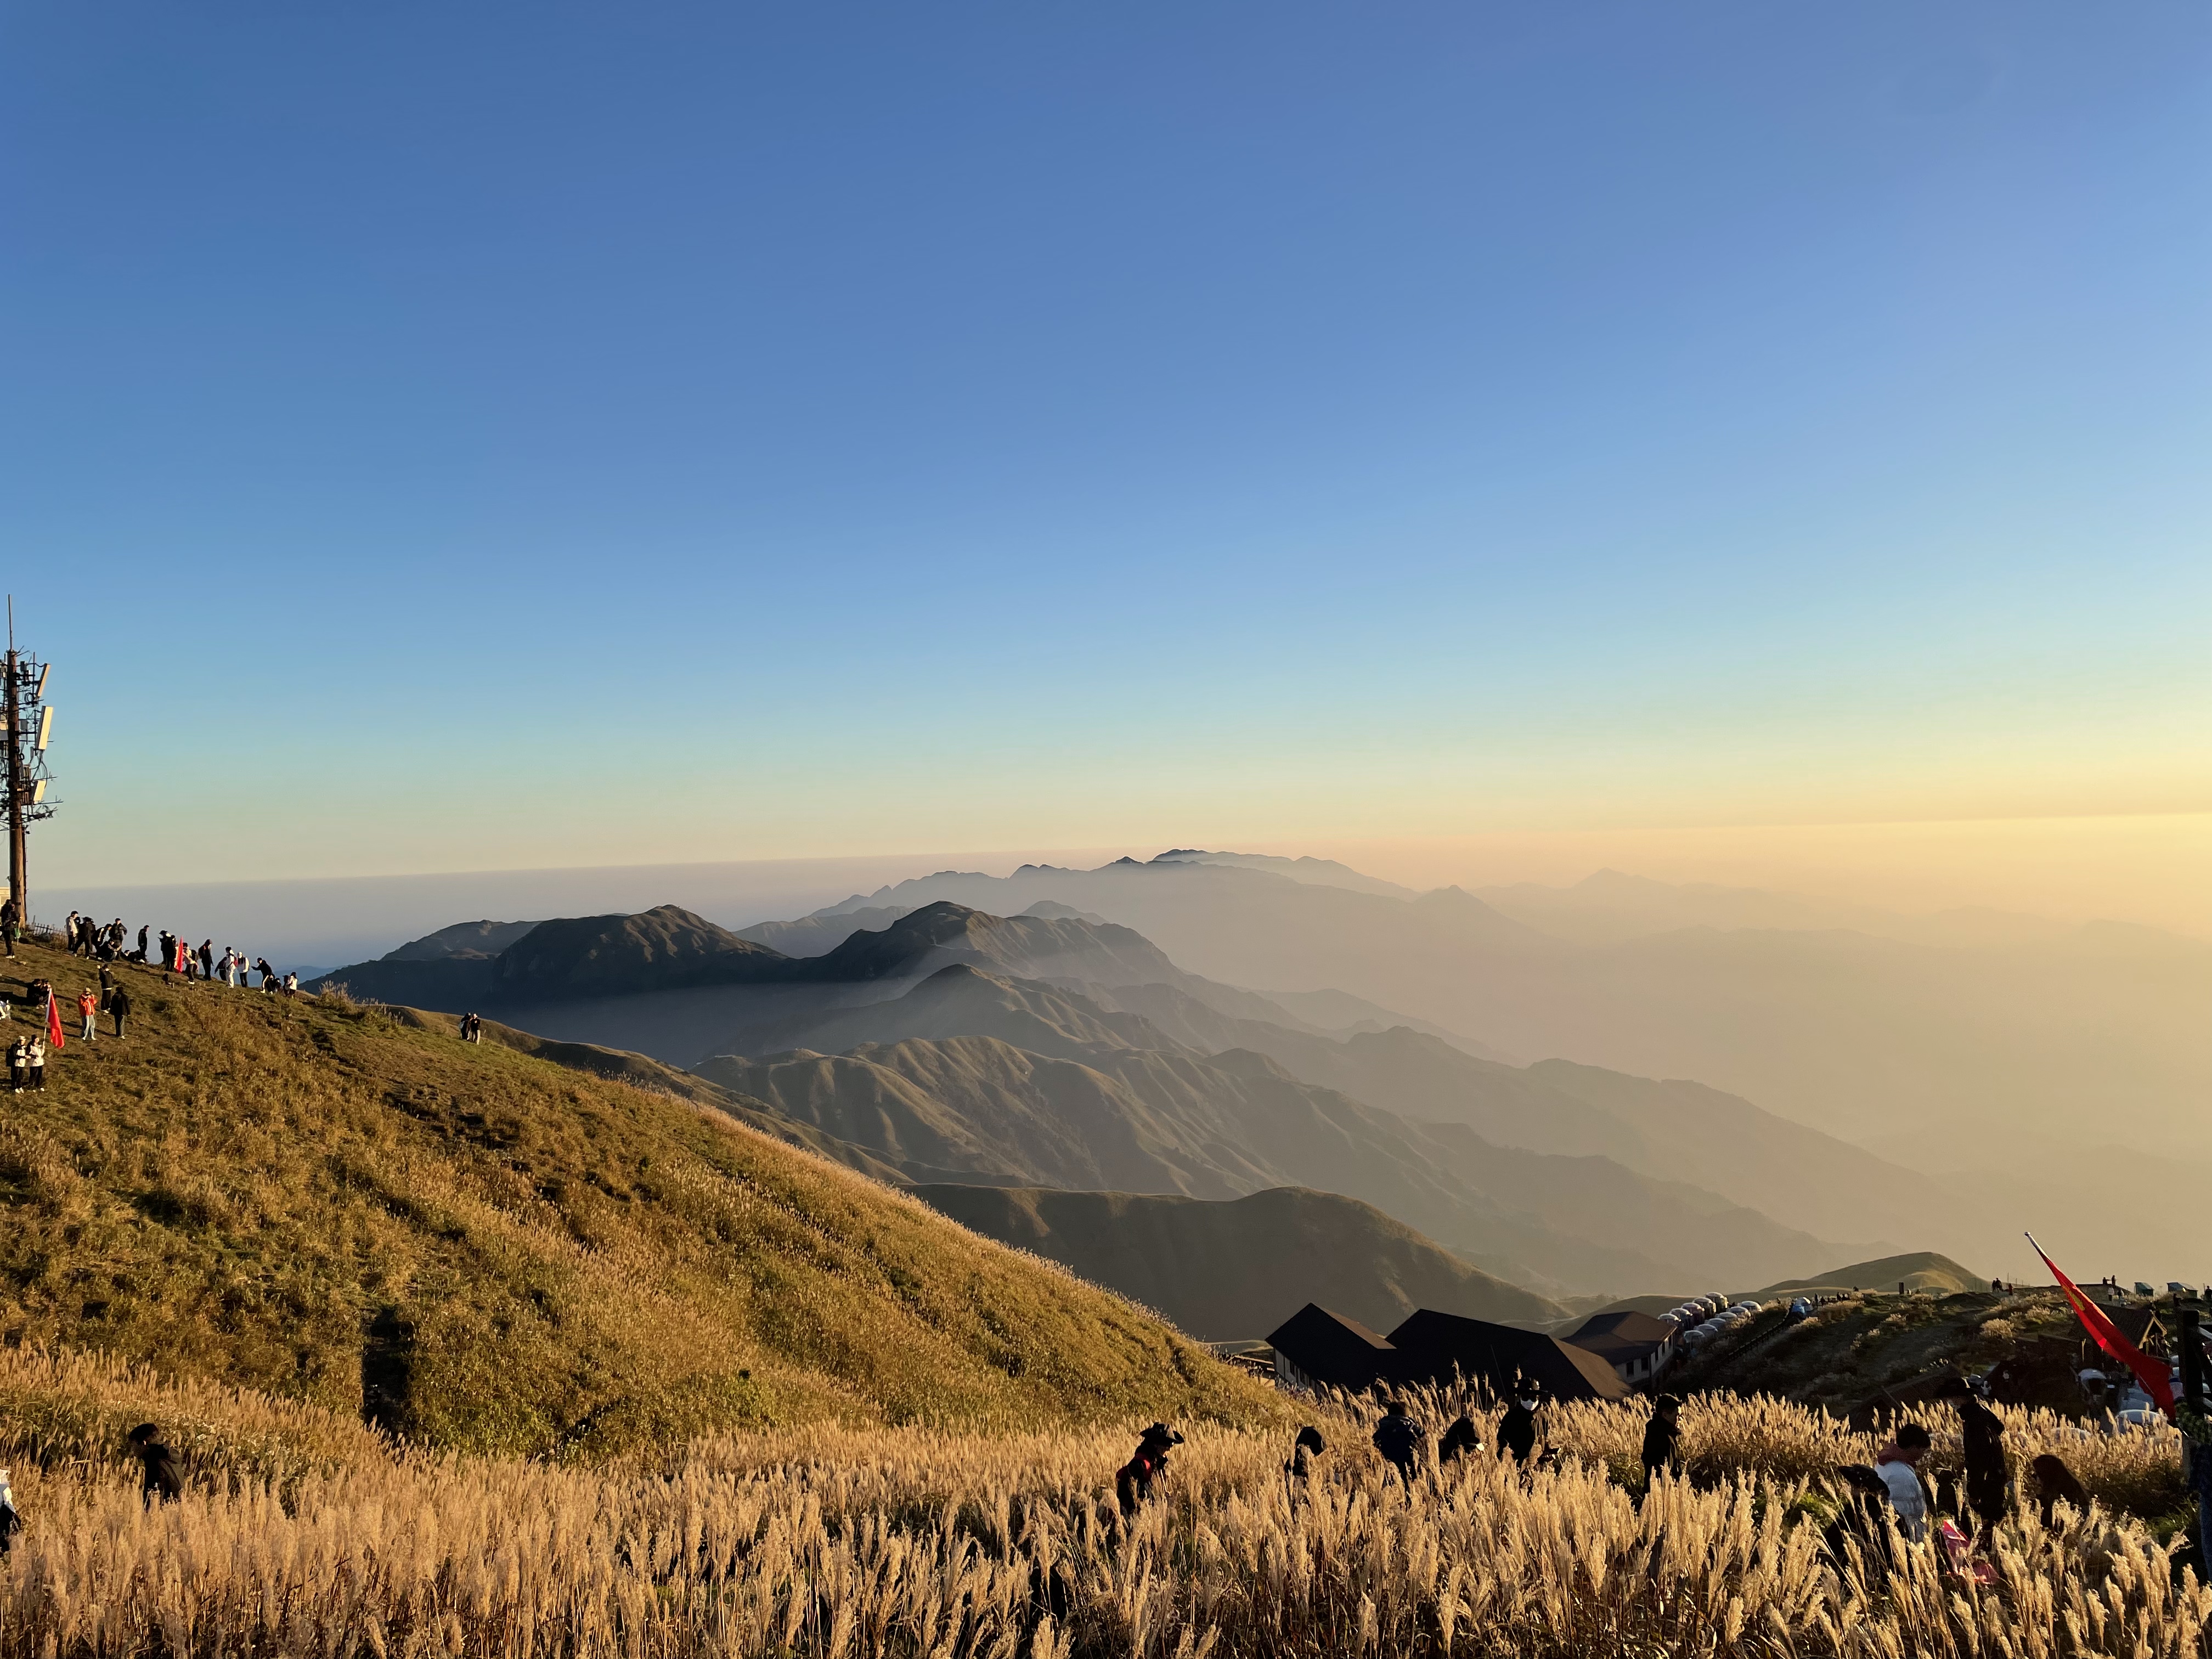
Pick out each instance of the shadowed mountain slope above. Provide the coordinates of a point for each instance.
(1223, 1270)
(666, 949)
(1158, 1119)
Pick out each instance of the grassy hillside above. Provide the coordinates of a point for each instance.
(1224, 1271)
(325, 1202)
(1917, 1270)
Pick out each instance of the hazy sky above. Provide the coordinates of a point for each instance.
(464, 436)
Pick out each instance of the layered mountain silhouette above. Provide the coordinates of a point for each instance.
(1050, 1089)
(1051, 1050)
(488, 962)
(1954, 1036)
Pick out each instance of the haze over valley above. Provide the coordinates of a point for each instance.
(1620, 1087)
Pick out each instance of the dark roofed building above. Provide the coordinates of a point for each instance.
(1315, 1347)
(1636, 1345)
(1430, 1347)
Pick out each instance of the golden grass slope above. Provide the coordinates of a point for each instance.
(528, 1258)
(879, 1543)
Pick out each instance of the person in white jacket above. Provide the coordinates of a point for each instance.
(1898, 1466)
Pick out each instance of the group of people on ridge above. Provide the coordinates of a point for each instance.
(175, 955)
(1893, 1484)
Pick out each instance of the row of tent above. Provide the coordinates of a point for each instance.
(1715, 1321)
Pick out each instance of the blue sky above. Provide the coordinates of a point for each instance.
(464, 436)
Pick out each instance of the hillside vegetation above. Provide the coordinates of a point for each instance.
(491, 1250)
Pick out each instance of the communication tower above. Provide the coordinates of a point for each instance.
(29, 724)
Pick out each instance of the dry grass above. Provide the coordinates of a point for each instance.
(841, 1541)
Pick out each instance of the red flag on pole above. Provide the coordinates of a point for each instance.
(53, 1023)
(2155, 1375)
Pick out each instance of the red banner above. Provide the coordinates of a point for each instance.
(53, 1023)
(2155, 1375)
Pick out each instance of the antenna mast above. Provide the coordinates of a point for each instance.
(28, 722)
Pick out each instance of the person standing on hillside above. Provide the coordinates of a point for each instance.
(268, 975)
(160, 1482)
(1132, 1481)
(34, 1061)
(87, 1015)
(207, 958)
(118, 1009)
(1400, 1439)
(1516, 1429)
(19, 1064)
(1661, 1453)
(69, 932)
(143, 928)
(1898, 1466)
(1988, 1487)
(1461, 1439)
(8, 914)
(1307, 1447)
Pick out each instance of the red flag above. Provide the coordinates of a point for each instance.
(53, 1023)
(2156, 1376)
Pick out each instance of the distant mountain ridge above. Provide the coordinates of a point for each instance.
(926, 1047)
(1011, 1081)
(1838, 1029)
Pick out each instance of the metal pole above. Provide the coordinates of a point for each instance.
(18, 875)
(2194, 1456)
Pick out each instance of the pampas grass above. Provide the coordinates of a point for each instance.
(301, 1534)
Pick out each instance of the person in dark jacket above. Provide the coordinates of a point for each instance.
(162, 1481)
(1660, 1435)
(1460, 1438)
(1399, 1438)
(1989, 1486)
(1516, 1429)
(2056, 1484)
(207, 958)
(1132, 1481)
(1307, 1447)
(118, 1007)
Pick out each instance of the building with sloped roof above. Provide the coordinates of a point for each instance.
(1435, 1347)
(1315, 1347)
(1639, 1347)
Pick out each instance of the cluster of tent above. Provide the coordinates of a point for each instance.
(1705, 1317)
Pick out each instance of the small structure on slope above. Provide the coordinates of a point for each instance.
(1638, 1347)
(1434, 1347)
(1315, 1347)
